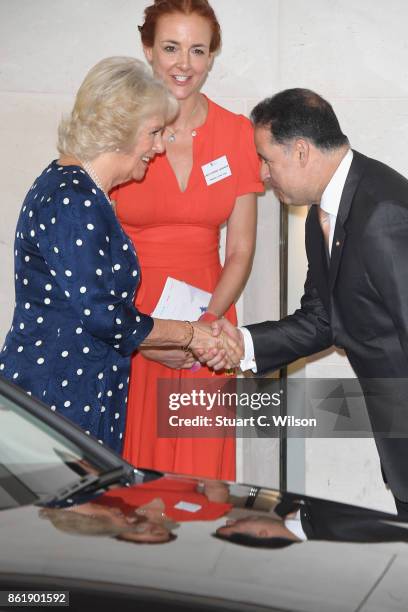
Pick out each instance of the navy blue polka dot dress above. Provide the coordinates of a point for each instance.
(75, 325)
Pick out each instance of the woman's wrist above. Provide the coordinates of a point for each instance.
(169, 333)
(189, 336)
(208, 317)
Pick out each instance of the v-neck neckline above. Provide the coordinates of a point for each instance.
(197, 130)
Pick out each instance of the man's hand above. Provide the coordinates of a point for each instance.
(222, 349)
(225, 328)
(223, 325)
(229, 351)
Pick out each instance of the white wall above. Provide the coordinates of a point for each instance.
(355, 54)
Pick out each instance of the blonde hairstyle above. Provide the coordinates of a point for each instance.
(117, 95)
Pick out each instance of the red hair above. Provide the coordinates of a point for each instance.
(186, 7)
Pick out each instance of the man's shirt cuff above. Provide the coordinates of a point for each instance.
(248, 362)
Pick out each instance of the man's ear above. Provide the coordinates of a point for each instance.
(302, 151)
(148, 53)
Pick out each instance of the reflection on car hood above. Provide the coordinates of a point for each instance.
(316, 575)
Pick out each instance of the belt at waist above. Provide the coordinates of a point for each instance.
(175, 246)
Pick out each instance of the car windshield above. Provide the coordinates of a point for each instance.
(35, 460)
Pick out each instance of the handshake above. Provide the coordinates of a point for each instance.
(219, 345)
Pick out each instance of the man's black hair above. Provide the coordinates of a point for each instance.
(300, 113)
(245, 539)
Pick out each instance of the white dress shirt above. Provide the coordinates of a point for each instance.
(330, 203)
(331, 197)
(294, 525)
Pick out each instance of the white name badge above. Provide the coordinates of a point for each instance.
(216, 170)
(187, 506)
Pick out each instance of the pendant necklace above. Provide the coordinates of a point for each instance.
(172, 137)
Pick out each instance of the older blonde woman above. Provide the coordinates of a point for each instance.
(75, 325)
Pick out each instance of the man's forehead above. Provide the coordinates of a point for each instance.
(263, 131)
(265, 143)
(264, 135)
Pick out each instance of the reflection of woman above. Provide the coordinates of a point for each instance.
(175, 223)
(180, 500)
(74, 324)
(91, 519)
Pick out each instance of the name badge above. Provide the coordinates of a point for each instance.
(216, 170)
(187, 506)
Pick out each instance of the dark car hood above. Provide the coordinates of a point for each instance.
(313, 576)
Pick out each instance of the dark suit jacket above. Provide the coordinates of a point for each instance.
(328, 520)
(358, 301)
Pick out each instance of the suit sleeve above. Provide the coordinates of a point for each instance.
(385, 253)
(303, 333)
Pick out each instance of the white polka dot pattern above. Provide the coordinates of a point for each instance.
(75, 276)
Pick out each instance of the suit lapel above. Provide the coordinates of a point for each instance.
(339, 238)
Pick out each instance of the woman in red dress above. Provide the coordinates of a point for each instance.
(174, 217)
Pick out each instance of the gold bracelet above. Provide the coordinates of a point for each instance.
(185, 347)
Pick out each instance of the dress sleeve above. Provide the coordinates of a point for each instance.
(249, 165)
(75, 236)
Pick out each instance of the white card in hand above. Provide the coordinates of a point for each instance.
(181, 301)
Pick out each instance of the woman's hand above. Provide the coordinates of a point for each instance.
(177, 359)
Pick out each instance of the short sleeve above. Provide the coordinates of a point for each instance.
(76, 239)
(249, 165)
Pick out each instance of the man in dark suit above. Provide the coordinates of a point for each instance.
(356, 290)
(300, 518)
